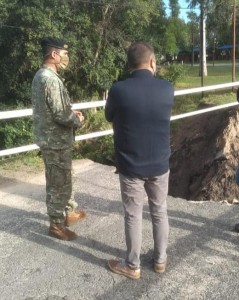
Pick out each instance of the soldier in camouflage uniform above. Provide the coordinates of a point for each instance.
(54, 124)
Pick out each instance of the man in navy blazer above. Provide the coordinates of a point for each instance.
(140, 110)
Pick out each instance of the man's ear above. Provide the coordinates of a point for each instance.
(152, 61)
(53, 54)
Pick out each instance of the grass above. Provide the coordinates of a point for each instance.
(27, 162)
(216, 75)
(220, 73)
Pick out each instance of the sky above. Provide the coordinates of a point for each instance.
(183, 11)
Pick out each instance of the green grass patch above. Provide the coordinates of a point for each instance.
(188, 103)
(216, 75)
(22, 162)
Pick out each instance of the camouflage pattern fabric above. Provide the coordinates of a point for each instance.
(72, 204)
(59, 201)
(54, 123)
(53, 118)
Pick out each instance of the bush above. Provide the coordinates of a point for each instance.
(16, 133)
(172, 73)
(98, 149)
(94, 121)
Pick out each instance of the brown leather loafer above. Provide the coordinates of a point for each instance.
(120, 267)
(160, 267)
(59, 231)
(74, 217)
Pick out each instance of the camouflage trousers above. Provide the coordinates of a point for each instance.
(59, 195)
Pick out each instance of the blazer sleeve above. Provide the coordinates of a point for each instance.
(110, 106)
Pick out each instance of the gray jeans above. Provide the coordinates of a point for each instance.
(132, 192)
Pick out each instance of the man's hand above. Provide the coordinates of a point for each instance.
(79, 115)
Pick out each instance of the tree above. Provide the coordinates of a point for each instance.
(219, 21)
(175, 9)
(204, 7)
(193, 26)
(98, 34)
(177, 36)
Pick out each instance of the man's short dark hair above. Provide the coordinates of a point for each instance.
(139, 54)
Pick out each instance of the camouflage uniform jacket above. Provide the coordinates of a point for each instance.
(53, 119)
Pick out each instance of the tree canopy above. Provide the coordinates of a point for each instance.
(98, 33)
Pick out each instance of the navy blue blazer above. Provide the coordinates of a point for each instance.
(140, 110)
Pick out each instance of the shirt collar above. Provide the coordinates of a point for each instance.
(54, 72)
(141, 73)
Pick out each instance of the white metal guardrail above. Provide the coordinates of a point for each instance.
(13, 114)
(28, 112)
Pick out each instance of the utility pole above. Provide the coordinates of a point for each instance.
(201, 46)
(234, 42)
(214, 50)
(192, 58)
(203, 61)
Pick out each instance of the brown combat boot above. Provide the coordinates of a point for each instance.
(59, 231)
(74, 217)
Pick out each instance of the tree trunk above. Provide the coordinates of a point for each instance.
(101, 34)
(203, 60)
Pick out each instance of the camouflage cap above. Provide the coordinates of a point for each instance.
(53, 42)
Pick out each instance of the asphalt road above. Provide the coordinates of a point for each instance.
(203, 249)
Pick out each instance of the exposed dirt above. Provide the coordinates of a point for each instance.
(205, 150)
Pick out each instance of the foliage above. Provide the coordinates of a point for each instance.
(172, 73)
(175, 9)
(16, 132)
(100, 150)
(30, 162)
(219, 21)
(98, 33)
(193, 28)
(97, 149)
(186, 103)
(95, 121)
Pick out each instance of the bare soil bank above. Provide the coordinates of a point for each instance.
(205, 156)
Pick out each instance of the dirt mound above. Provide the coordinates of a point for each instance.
(204, 158)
